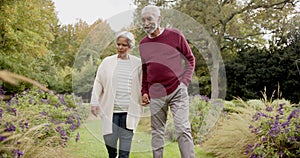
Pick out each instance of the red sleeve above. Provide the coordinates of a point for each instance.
(189, 60)
(144, 80)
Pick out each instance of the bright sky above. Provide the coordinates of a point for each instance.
(70, 11)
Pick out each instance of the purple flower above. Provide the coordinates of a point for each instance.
(2, 91)
(205, 98)
(43, 113)
(26, 124)
(56, 105)
(78, 122)
(286, 130)
(72, 127)
(61, 131)
(292, 138)
(19, 153)
(264, 139)
(256, 116)
(269, 108)
(2, 138)
(253, 156)
(280, 153)
(10, 127)
(77, 137)
(1, 110)
(274, 131)
(14, 111)
(30, 100)
(69, 120)
(62, 99)
(280, 110)
(293, 114)
(285, 124)
(263, 115)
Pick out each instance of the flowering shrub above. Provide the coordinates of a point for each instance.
(199, 106)
(277, 129)
(36, 119)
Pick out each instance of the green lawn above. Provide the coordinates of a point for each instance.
(91, 144)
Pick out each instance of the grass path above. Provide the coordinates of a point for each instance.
(91, 144)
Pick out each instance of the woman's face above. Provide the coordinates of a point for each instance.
(122, 45)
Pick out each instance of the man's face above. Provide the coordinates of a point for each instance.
(149, 22)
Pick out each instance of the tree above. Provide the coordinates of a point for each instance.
(26, 29)
(255, 68)
(68, 39)
(233, 23)
(26, 26)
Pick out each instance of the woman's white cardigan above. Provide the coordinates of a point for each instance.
(104, 92)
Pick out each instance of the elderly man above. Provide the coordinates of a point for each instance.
(165, 81)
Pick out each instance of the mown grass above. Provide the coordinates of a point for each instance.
(91, 144)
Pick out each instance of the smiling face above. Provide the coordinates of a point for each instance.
(150, 22)
(122, 46)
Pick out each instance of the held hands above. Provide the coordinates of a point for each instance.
(145, 100)
(95, 110)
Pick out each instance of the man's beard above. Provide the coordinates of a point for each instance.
(153, 28)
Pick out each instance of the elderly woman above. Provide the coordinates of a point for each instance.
(116, 96)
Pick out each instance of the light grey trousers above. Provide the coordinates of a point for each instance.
(178, 101)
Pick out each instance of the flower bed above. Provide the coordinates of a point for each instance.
(33, 122)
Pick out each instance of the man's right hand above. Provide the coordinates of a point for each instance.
(145, 99)
(95, 110)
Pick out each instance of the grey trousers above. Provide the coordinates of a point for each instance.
(178, 101)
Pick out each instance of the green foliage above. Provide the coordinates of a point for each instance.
(199, 107)
(34, 120)
(41, 69)
(62, 80)
(83, 79)
(253, 69)
(18, 34)
(233, 22)
(68, 40)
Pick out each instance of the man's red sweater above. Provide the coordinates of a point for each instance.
(162, 58)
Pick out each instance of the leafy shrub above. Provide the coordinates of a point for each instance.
(35, 121)
(277, 130)
(199, 106)
(274, 130)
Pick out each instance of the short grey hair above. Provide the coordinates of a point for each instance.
(129, 36)
(152, 9)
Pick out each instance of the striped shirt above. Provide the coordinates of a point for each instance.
(124, 81)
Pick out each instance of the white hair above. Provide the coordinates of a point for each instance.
(129, 36)
(151, 9)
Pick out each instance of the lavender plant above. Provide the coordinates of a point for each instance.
(277, 130)
(36, 119)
